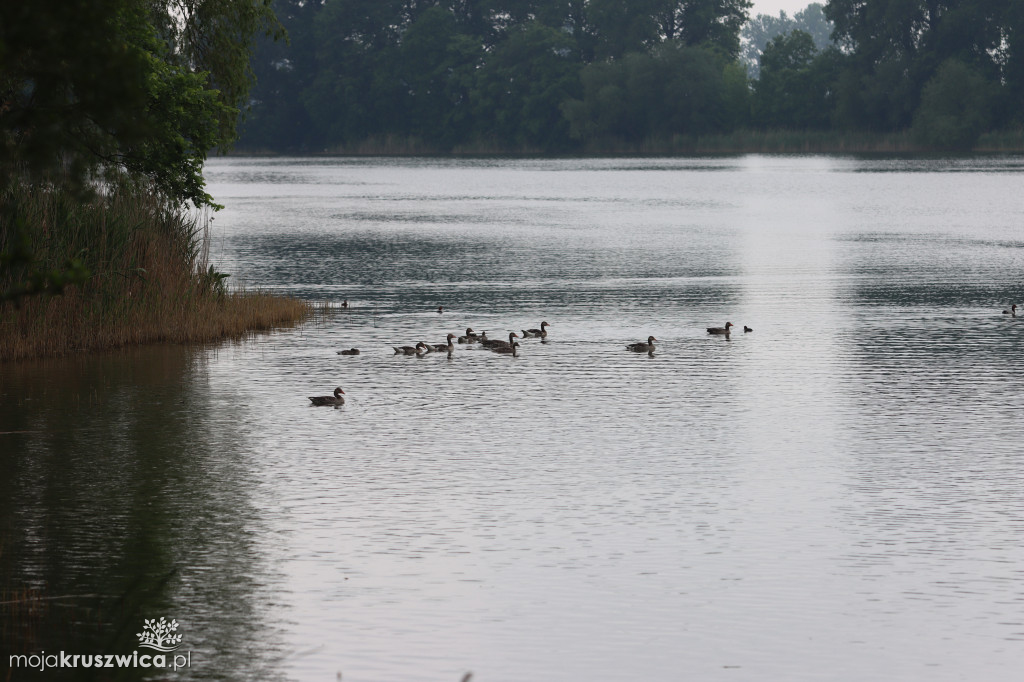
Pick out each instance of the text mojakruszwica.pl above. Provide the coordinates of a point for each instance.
(43, 660)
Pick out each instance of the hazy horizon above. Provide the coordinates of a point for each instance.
(773, 7)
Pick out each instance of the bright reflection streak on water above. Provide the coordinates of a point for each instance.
(835, 496)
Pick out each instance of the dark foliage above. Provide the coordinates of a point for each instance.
(102, 93)
(491, 74)
(558, 75)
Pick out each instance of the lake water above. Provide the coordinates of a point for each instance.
(837, 495)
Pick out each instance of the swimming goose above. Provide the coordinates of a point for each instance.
(442, 347)
(721, 330)
(746, 329)
(536, 333)
(411, 350)
(509, 350)
(498, 343)
(350, 351)
(335, 399)
(1011, 311)
(642, 347)
(470, 337)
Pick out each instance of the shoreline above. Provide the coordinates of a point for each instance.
(143, 276)
(739, 142)
(33, 331)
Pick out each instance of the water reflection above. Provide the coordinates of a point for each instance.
(121, 504)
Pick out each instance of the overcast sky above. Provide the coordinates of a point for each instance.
(772, 7)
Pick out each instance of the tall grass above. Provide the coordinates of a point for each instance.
(1001, 141)
(742, 141)
(149, 282)
(761, 142)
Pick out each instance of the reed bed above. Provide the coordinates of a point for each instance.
(1006, 141)
(742, 141)
(149, 277)
(761, 142)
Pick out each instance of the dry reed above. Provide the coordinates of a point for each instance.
(149, 281)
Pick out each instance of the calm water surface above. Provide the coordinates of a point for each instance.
(838, 495)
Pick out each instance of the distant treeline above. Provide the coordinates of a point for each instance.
(589, 75)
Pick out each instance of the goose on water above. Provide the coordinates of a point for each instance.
(335, 399)
(641, 347)
(350, 351)
(536, 333)
(442, 347)
(470, 337)
(498, 343)
(508, 350)
(410, 350)
(721, 330)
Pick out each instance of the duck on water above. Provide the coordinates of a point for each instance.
(508, 350)
(541, 333)
(641, 347)
(498, 343)
(442, 347)
(335, 399)
(411, 350)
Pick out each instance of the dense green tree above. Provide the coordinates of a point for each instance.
(352, 92)
(795, 84)
(61, 81)
(673, 90)
(93, 86)
(779, 93)
(955, 107)
(618, 27)
(570, 16)
(131, 92)
(714, 23)
(760, 29)
(284, 69)
(216, 37)
(877, 97)
(897, 45)
(436, 65)
(522, 86)
(1010, 56)
(635, 26)
(372, 69)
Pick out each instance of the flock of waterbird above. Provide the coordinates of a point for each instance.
(510, 347)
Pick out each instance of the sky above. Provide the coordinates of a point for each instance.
(772, 7)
